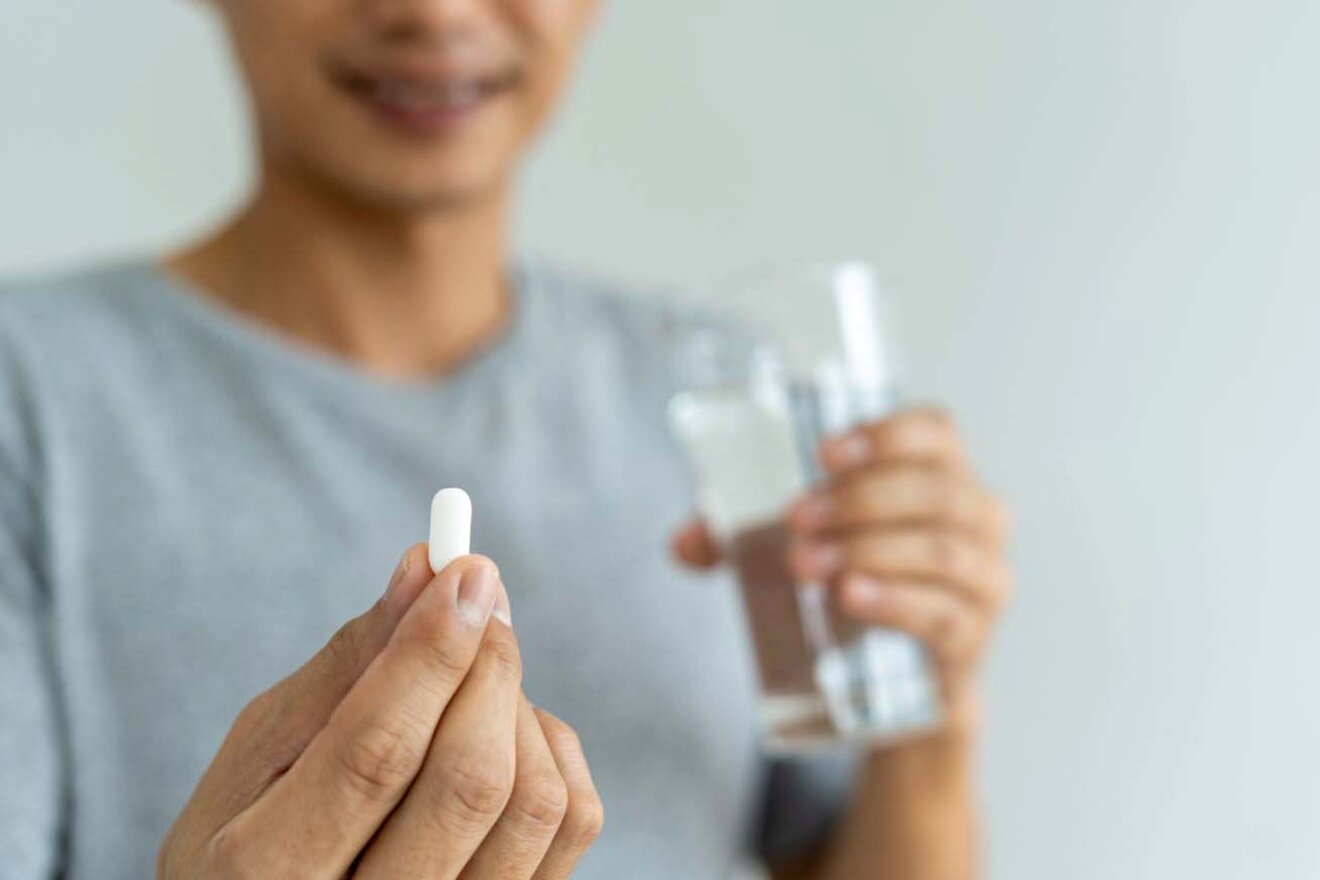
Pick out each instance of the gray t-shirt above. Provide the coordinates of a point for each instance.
(190, 506)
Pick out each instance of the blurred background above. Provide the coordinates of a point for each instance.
(1102, 222)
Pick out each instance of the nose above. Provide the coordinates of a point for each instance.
(426, 21)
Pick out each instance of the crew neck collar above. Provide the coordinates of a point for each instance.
(267, 345)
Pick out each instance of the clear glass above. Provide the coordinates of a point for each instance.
(806, 354)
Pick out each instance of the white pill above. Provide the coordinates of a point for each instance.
(451, 527)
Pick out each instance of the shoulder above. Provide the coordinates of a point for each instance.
(40, 312)
(58, 333)
(70, 287)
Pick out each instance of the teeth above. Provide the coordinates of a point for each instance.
(419, 97)
(463, 93)
(393, 92)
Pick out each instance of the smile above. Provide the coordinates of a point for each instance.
(420, 104)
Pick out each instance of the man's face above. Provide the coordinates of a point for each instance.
(404, 104)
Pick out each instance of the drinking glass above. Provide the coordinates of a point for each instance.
(802, 355)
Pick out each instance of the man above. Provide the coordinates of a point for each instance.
(207, 464)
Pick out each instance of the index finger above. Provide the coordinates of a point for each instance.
(926, 434)
(276, 726)
(322, 812)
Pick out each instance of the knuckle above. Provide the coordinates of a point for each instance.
(539, 802)
(585, 819)
(885, 435)
(943, 555)
(950, 497)
(379, 761)
(899, 610)
(227, 855)
(563, 739)
(473, 791)
(252, 717)
(345, 646)
(864, 494)
(501, 651)
(446, 656)
(256, 731)
(262, 735)
(437, 649)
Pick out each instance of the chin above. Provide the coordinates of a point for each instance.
(418, 192)
(384, 171)
(435, 200)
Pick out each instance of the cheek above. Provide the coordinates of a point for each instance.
(551, 12)
(551, 33)
(551, 29)
(277, 45)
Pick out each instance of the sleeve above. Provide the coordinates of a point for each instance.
(804, 800)
(31, 762)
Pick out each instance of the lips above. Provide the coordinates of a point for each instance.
(421, 102)
(418, 97)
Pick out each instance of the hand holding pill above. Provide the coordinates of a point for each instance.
(405, 747)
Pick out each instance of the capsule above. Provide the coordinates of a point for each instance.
(451, 527)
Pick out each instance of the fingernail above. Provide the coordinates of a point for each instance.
(849, 450)
(826, 558)
(502, 611)
(477, 591)
(391, 590)
(865, 590)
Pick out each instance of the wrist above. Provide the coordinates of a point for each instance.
(940, 761)
(915, 809)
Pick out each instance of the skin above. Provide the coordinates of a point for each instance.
(385, 245)
(907, 538)
(404, 748)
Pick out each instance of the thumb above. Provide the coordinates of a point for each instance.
(276, 727)
(316, 688)
(694, 546)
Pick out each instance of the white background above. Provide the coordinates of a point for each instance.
(1102, 220)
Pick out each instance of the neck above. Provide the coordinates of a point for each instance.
(400, 294)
